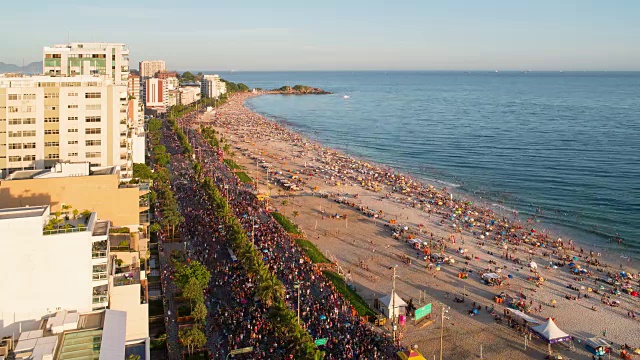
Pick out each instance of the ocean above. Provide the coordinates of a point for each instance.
(562, 147)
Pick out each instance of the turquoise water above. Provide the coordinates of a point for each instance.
(564, 147)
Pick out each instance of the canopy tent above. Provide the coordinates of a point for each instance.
(410, 355)
(598, 345)
(524, 316)
(392, 307)
(551, 332)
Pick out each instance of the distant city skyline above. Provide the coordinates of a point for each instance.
(339, 35)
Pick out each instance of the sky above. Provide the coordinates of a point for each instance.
(245, 35)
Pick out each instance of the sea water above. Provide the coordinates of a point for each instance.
(561, 146)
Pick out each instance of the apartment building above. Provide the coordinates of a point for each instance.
(149, 68)
(52, 263)
(212, 86)
(65, 266)
(45, 120)
(171, 78)
(155, 93)
(189, 94)
(75, 184)
(107, 60)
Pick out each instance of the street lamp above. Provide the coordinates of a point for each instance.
(443, 311)
(297, 286)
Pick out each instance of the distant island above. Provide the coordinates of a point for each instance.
(299, 90)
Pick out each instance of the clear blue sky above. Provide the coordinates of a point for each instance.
(344, 34)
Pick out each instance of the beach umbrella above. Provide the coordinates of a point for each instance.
(575, 258)
(510, 276)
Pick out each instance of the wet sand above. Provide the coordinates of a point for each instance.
(363, 247)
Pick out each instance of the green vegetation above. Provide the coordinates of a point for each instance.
(194, 270)
(142, 171)
(312, 251)
(244, 177)
(120, 230)
(232, 164)
(287, 224)
(350, 295)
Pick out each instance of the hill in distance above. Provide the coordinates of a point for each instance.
(32, 68)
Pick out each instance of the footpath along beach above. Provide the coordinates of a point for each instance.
(367, 219)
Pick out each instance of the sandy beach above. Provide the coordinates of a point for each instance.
(367, 219)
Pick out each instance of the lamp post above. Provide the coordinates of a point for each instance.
(443, 311)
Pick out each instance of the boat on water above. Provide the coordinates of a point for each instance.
(345, 97)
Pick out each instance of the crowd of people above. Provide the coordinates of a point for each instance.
(236, 318)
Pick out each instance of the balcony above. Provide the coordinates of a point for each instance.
(100, 254)
(98, 276)
(99, 299)
(129, 276)
(145, 218)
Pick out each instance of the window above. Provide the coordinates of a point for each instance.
(72, 154)
(29, 158)
(72, 106)
(93, 119)
(27, 108)
(28, 121)
(51, 95)
(94, 106)
(15, 146)
(71, 84)
(92, 95)
(29, 96)
(52, 120)
(28, 133)
(51, 144)
(93, 154)
(72, 130)
(72, 118)
(29, 145)
(93, 142)
(15, 158)
(93, 131)
(51, 107)
(73, 94)
(14, 97)
(13, 109)
(52, 132)
(15, 134)
(72, 142)
(15, 121)
(53, 156)
(93, 83)
(46, 84)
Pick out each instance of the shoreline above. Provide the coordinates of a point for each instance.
(364, 248)
(615, 255)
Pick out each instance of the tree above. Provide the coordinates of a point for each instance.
(295, 214)
(154, 124)
(142, 171)
(242, 87)
(75, 213)
(192, 292)
(192, 338)
(270, 289)
(193, 270)
(199, 312)
(285, 203)
(187, 76)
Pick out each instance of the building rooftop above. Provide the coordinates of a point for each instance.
(23, 212)
(63, 169)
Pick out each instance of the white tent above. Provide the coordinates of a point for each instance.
(387, 304)
(551, 332)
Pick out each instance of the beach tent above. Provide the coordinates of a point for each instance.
(410, 355)
(551, 332)
(387, 304)
(524, 316)
(598, 346)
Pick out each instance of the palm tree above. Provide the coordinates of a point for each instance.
(270, 289)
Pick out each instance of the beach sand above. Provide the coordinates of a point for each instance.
(364, 248)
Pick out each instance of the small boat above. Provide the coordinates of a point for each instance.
(345, 97)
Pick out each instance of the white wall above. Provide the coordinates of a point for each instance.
(40, 273)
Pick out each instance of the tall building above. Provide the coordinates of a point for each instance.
(108, 60)
(155, 93)
(189, 94)
(171, 78)
(63, 264)
(69, 268)
(149, 68)
(45, 120)
(133, 86)
(212, 86)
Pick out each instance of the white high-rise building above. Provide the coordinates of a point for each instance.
(51, 267)
(149, 68)
(212, 87)
(108, 60)
(45, 120)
